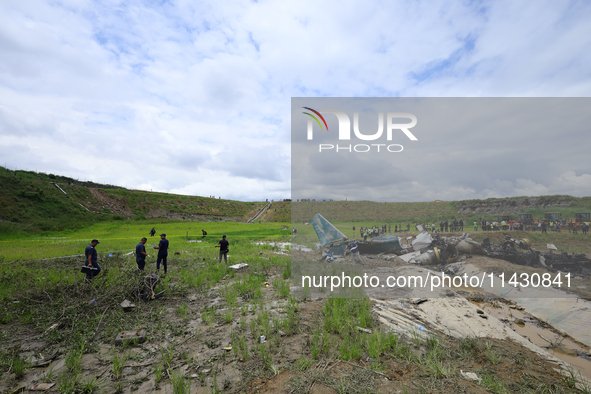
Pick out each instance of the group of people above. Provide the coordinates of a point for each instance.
(444, 225)
(91, 255)
(372, 232)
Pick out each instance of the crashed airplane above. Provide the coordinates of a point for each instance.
(334, 241)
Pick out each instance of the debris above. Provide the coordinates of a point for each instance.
(422, 241)
(519, 322)
(263, 339)
(177, 253)
(483, 316)
(239, 266)
(127, 305)
(366, 330)
(551, 247)
(419, 301)
(430, 257)
(480, 311)
(470, 376)
(93, 302)
(267, 284)
(42, 386)
(53, 326)
(138, 336)
(409, 256)
(469, 246)
(333, 241)
(228, 348)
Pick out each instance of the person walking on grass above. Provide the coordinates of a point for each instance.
(92, 259)
(140, 254)
(162, 253)
(223, 245)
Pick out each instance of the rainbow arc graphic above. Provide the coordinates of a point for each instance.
(315, 118)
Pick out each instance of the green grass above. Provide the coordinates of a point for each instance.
(30, 203)
(122, 237)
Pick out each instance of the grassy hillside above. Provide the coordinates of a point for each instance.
(377, 212)
(422, 212)
(31, 202)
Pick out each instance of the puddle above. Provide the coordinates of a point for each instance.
(532, 328)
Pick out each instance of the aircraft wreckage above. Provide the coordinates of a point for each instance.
(439, 250)
(333, 241)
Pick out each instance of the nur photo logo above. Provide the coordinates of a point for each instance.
(393, 123)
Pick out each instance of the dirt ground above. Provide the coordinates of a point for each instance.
(205, 350)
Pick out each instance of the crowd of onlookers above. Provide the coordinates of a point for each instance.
(481, 224)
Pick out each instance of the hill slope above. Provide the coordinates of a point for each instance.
(421, 212)
(34, 201)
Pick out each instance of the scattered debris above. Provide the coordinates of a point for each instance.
(134, 336)
(42, 386)
(366, 330)
(422, 241)
(470, 376)
(237, 267)
(420, 301)
(127, 305)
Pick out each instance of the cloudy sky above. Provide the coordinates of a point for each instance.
(462, 148)
(195, 97)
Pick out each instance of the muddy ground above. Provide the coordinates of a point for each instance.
(196, 340)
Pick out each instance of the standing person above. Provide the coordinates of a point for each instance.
(152, 232)
(140, 254)
(352, 246)
(92, 259)
(223, 245)
(162, 253)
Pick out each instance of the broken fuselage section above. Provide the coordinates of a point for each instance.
(334, 242)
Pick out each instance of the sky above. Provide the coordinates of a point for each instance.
(195, 97)
(456, 148)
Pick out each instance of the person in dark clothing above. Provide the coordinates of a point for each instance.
(91, 259)
(140, 254)
(223, 245)
(162, 252)
(352, 246)
(204, 233)
(152, 232)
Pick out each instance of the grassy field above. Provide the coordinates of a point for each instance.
(205, 334)
(123, 236)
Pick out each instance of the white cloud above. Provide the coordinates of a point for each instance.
(196, 95)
